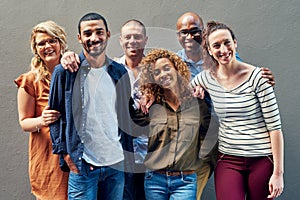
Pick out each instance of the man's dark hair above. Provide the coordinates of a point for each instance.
(92, 16)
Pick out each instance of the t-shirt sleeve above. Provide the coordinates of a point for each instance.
(199, 80)
(26, 81)
(268, 103)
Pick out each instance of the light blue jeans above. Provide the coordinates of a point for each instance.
(105, 183)
(163, 187)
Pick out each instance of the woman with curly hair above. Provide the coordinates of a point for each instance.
(176, 124)
(48, 43)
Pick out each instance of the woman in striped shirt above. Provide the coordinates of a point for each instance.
(250, 162)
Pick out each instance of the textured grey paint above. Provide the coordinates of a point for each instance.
(268, 33)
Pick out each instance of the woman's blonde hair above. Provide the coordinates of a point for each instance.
(54, 30)
(147, 81)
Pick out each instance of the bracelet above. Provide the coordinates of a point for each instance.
(36, 126)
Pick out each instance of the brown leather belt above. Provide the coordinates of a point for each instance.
(175, 173)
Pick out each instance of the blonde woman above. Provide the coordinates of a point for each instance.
(48, 43)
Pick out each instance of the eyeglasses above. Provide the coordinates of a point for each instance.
(192, 32)
(50, 41)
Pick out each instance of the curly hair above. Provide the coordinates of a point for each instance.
(37, 65)
(208, 60)
(147, 82)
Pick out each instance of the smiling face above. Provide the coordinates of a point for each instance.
(48, 48)
(222, 46)
(133, 39)
(191, 23)
(93, 37)
(165, 74)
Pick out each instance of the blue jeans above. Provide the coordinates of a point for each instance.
(105, 183)
(163, 187)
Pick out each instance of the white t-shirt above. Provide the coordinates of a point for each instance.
(101, 144)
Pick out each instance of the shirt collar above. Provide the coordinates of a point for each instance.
(184, 57)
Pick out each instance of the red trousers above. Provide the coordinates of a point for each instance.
(240, 178)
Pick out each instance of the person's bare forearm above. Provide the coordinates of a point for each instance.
(277, 151)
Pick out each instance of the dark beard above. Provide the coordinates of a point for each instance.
(95, 53)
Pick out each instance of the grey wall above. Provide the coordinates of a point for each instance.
(268, 33)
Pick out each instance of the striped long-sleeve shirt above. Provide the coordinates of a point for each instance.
(246, 113)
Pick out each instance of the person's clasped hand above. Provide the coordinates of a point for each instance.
(49, 116)
(146, 101)
(70, 61)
